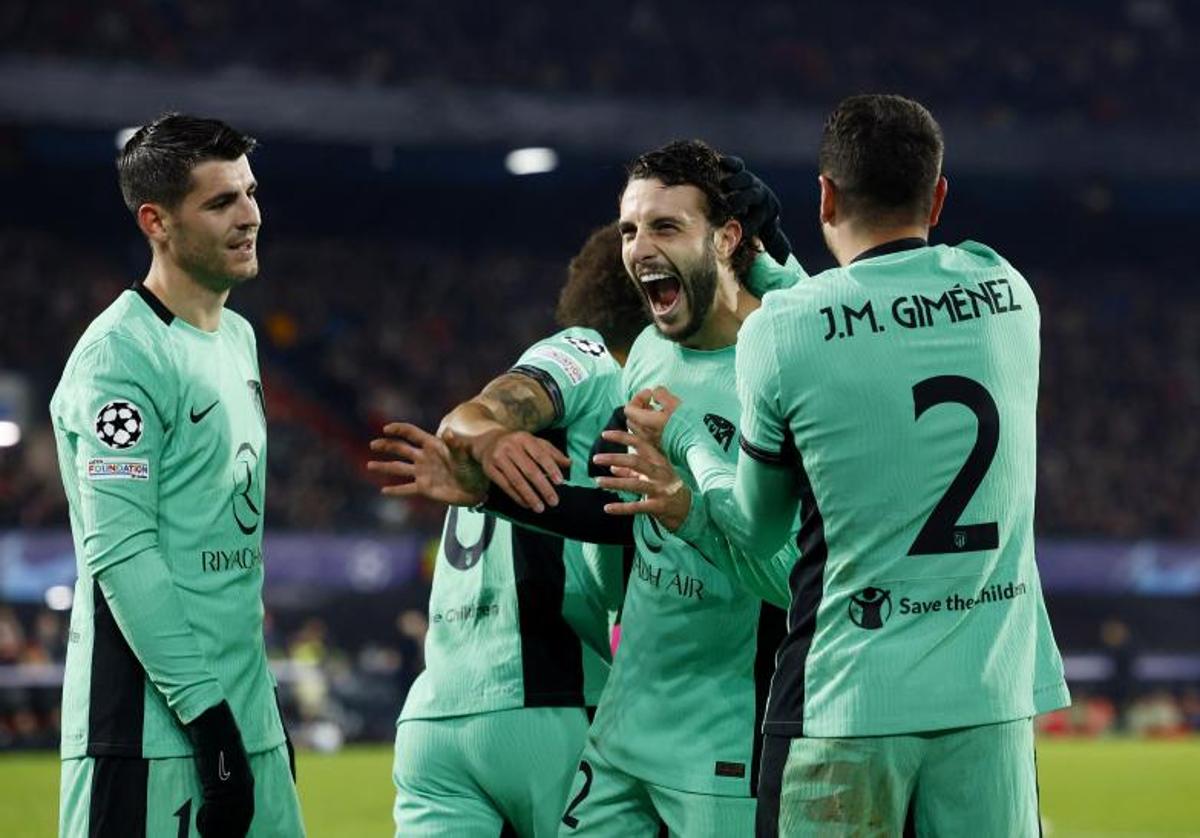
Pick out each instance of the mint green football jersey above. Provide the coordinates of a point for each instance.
(686, 696)
(519, 618)
(161, 434)
(902, 389)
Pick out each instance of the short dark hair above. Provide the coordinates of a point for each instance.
(155, 166)
(598, 294)
(695, 163)
(884, 154)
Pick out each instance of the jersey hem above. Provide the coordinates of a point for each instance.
(113, 749)
(705, 785)
(797, 729)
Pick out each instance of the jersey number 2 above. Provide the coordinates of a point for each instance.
(942, 533)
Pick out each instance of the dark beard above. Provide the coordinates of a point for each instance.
(700, 284)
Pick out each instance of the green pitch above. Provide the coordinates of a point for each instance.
(1090, 789)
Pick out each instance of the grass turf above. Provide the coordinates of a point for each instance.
(1090, 789)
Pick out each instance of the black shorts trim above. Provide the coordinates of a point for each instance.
(117, 807)
(770, 785)
(117, 693)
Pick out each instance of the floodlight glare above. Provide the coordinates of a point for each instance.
(59, 598)
(531, 161)
(125, 135)
(10, 433)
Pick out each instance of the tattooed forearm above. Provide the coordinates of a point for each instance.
(518, 402)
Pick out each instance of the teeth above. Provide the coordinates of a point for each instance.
(653, 277)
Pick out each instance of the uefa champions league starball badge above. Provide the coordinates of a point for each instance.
(119, 425)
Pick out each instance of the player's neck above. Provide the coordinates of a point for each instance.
(858, 240)
(730, 309)
(184, 297)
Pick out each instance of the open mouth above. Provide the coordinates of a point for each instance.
(246, 246)
(664, 292)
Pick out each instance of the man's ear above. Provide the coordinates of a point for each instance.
(154, 222)
(829, 196)
(727, 237)
(939, 200)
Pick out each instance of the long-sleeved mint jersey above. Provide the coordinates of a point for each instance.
(161, 434)
(894, 400)
(519, 618)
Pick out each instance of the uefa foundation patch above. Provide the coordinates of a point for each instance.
(573, 369)
(118, 468)
(119, 424)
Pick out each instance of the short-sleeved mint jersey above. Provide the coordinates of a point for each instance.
(519, 618)
(688, 687)
(161, 435)
(902, 389)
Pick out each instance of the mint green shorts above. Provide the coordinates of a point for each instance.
(606, 802)
(975, 781)
(119, 797)
(487, 774)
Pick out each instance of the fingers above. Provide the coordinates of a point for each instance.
(666, 399)
(548, 457)
(643, 399)
(633, 485)
(630, 507)
(643, 447)
(637, 462)
(401, 490)
(408, 431)
(396, 448)
(521, 479)
(392, 468)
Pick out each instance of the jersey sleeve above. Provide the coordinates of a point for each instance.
(763, 425)
(576, 371)
(117, 412)
(724, 524)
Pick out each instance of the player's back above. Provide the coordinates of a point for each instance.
(909, 383)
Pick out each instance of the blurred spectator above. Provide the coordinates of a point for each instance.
(1103, 62)
(408, 329)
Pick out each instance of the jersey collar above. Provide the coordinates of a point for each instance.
(156, 305)
(891, 247)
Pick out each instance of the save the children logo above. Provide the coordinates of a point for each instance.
(870, 608)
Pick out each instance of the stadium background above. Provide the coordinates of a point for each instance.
(406, 259)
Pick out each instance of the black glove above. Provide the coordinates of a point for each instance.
(225, 776)
(755, 206)
(291, 749)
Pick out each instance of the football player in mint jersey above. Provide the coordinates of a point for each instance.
(170, 724)
(892, 401)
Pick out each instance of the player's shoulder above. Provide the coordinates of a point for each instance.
(127, 333)
(578, 352)
(238, 325)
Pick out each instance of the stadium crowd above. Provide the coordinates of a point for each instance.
(370, 331)
(334, 690)
(1101, 63)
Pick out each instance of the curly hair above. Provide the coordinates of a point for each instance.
(695, 163)
(600, 295)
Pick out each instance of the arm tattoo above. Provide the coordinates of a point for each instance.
(518, 402)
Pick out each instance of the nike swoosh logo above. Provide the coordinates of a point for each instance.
(196, 417)
(221, 770)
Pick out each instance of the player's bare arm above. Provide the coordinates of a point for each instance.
(424, 465)
(496, 429)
